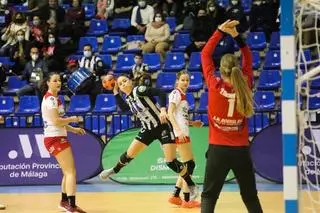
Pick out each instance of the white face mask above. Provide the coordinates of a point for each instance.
(36, 22)
(137, 61)
(158, 19)
(51, 40)
(4, 2)
(257, 2)
(34, 57)
(142, 3)
(212, 9)
(87, 54)
(20, 37)
(234, 2)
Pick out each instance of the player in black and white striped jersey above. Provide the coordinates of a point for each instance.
(155, 125)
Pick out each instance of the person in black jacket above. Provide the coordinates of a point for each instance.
(235, 12)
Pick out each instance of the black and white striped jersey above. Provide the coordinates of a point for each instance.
(142, 104)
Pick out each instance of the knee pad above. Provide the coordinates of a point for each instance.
(190, 166)
(124, 159)
(175, 165)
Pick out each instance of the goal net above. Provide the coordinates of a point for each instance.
(308, 99)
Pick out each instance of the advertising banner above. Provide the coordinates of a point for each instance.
(24, 159)
(149, 167)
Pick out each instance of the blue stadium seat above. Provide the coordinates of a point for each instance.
(61, 98)
(196, 82)
(111, 44)
(257, 122)
(195, 62)
(246, 5)
(174, 62)
(223, 3)
(191, 101)
(272, 60)
(14, 84)
(171, 21)
(97, 27)
(20, 8)
(181, 41)
(37, 121)
(256, 40)
(275, 41)
(88, 40)
(119, 26)
(264, 100)
(202, 117)
(107, 61)
(153, 61)
(203, 102)
(226, 45)
(6, 61)
(89, 10)
(75, 57)
(6, 105)
(166, 81)
(305, 60)
(105, 103)
(15, 121)
(135, 38)
(256, 60)
(315, 84)
(79, 104)
(96, 123)
(314, 102)
(124, 63)
(28, 105)
(269, 80)
(119, 123)
(65, 6)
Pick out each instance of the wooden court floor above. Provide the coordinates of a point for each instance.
(130, 202)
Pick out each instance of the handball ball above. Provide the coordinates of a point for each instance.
(108, 82)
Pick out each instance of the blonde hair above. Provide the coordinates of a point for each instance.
(229, 67)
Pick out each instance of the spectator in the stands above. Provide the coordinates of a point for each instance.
(34, 72)
(20, 52)
(93, 63)
(235, 12)
(53, 53)
(139, 68)
(9, 36)
(38, 8)
(74, 21)
(170, 7)
(5, 14)
(157, 37)
(216, 14)
(142, 14)
(104, 9)
(201, 31)
(57, 13)
(38, 31)
(123, 8)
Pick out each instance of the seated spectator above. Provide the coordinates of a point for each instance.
(38, 30)
(201, 31)
(9, 36)
(104, 9)
(169, 7)
(3, 76)
(33, 72)
(53, 53)
(5, 14)
(157, 36)
(142, 14)
(123, 8)
(38, 8)
(19, 52)
(139, 68)
(235, 12)
(93, 63)
(57, 13)
(216, 14)
(74, 21)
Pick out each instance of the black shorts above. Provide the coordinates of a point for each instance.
(164, 133)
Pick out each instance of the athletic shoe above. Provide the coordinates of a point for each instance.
(76, 209)
(2, 207)
(175, 200)
(190, 204)
(194, 192)
(63, 205)
(105, 174)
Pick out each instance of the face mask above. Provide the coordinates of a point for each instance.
(4, 2)
(234, 2)
(19, 20)
(51, 40)
(257, 2)
(137, 61)
(212, 9)
(36, 22)
(34, 57)
(158, 19)
(142, 3)
(20, 38)
(87, 54)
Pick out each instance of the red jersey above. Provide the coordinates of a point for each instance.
(226, 126)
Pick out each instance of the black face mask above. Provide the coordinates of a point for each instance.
(202, 18)
(19, 21)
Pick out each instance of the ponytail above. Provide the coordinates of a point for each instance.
(243, 92)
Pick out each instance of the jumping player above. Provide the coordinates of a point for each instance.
(178, 113)
(55, 139)
(139, 99)
(230, 103)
